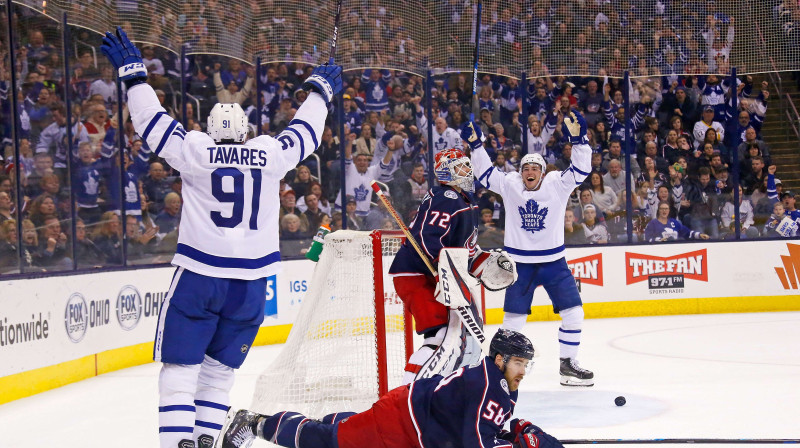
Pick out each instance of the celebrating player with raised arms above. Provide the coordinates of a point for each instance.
(447, 217)
(228, 242)
(467, 408)
(534, 236)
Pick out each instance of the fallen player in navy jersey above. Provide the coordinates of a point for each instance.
(467, 408)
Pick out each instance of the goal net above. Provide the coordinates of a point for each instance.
(350, 341)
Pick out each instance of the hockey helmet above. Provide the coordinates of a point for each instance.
(510, 343)
(532, 158)
(449, 169)
(228, 122)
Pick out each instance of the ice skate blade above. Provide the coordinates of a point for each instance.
(573, 382)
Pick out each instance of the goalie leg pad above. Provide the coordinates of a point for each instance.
(417, 292)
(450, 354)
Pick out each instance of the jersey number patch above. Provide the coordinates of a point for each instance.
(494, 413)
(443, 222)
(235, 197)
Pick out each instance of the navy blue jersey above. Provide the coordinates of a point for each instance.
(445, 218)
(468, 408)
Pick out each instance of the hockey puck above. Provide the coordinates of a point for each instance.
(619, 401)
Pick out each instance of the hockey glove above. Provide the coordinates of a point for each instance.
(494, 268)
(574, 127)
(325, 80)
(472, 134)
(529, 435)
(125, 57)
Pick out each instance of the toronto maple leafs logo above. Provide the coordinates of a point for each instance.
(532, 216)
(91, 184)
(131, 192)
(377, 92)
(361, 193)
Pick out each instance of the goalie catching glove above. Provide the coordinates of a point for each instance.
(325, 80)
(495, 269)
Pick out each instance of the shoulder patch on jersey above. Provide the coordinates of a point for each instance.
(504, 385)
(451, 194)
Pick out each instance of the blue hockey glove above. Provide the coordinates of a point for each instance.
(125, 57)
(325, 80)
(472, 134)
(574, 127)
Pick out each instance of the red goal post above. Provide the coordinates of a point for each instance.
(352, 336)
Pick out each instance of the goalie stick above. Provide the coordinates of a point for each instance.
(465, 315)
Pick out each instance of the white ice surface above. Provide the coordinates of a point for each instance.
(703, 376)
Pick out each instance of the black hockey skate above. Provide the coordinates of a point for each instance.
(205, 441)
(242, 429)
(573, 375)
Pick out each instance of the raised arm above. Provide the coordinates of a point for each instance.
(162, 134)
(574, 128)
(481, 163)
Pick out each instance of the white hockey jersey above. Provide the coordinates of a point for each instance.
(229, 221)
(448, 139)
(534, 231)
(359, 185)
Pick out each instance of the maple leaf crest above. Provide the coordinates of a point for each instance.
(532, 217)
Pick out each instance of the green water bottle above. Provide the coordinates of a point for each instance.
(319, 240)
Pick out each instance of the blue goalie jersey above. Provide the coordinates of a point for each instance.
(446, 218)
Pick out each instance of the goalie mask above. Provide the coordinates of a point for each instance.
(454, 168)
(227, 122)
(510, 343)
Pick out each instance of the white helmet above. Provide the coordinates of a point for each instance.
(227, 121)
(533, 158)
(536, 159)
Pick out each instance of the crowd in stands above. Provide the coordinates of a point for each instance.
(690, 133)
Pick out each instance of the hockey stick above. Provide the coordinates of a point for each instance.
(335, 30)
(467, 318)
(643, 441)
(475, 62)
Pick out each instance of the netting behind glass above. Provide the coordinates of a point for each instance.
(579, 37)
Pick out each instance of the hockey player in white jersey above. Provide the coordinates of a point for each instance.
(228, 241)
(534, 238)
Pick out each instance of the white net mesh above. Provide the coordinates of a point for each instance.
(559, 37)
(330, 360)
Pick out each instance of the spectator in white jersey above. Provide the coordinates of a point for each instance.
(359, 176)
